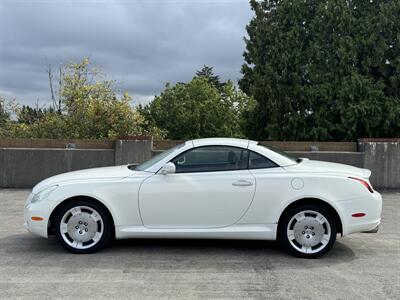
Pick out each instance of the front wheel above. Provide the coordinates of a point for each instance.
(83, 226)
(307, 231)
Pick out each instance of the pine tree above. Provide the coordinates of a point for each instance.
(208, 73)
(323, 70)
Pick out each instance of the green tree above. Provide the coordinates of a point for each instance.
(323, 70)
(7, 108)
(4, 113)
(89, 106)
(198, 109)
(208, 73)
(29, 115)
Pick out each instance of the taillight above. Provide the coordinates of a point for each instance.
(358, 215)
(364, 183)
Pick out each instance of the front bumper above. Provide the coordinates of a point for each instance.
(41, 209)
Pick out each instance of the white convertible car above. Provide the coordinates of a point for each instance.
(209, 188)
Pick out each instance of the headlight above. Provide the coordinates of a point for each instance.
(43, 194)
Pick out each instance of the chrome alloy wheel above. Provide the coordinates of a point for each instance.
(81, 227)
(308, 231)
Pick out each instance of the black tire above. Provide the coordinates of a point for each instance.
(107, 226)
(283, 235)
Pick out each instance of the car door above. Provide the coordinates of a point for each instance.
(211, 188)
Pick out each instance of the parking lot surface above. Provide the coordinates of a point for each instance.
(360, 266)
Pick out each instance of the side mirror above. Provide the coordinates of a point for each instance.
(168, 168)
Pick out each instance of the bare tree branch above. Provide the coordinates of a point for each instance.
(50, 75)
(60, 82)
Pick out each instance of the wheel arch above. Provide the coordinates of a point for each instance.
(316, 201)
(50, 225)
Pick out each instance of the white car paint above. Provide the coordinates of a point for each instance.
(203, 197)
(209, 204)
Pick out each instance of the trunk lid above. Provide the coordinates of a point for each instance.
(323, 167)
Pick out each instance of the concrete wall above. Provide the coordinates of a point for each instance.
(349, 158)
(21, 168)
(132, 151)
(51, 144)
(383, 159)
(281, 145)
(24, 167)
(312, 146)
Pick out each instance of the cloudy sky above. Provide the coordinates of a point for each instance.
(141, 44)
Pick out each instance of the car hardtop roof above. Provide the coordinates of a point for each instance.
(222, 141)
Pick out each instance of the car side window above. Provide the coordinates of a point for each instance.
(257, 161)
(211, 159)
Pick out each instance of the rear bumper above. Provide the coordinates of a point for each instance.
(370, 205)
(375, 230)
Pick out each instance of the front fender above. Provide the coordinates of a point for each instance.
(119, 197)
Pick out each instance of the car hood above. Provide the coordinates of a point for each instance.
(315, 166)
(105, 173)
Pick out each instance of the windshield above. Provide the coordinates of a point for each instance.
(157, 158)
(294, 159)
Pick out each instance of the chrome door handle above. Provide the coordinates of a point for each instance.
(242, 182)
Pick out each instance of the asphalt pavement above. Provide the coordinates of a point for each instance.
(360, 266)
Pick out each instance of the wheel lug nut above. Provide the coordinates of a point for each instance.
(303, 232)
(311, 228)
(308, 236)
(305, 227)
(85, 224)
(76, 227)
(313, 233)
(80, 222)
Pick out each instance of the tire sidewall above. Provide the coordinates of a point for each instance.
(282, 231)
(107, 224)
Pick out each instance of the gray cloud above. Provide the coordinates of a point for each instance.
(141, 44)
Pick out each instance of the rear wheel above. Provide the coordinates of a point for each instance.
(307, 231)
(83, 226)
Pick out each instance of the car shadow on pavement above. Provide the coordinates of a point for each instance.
(142, 254)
